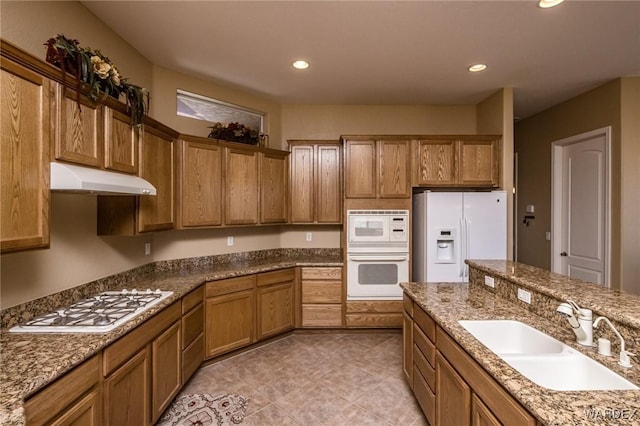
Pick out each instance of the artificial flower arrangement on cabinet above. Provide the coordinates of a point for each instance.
(96, 70)
(235, 132)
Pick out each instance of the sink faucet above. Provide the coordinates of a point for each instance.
(580, 321)
(625, 361)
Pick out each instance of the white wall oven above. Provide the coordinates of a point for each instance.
(377, 254)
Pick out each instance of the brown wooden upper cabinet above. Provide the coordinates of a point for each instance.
(469, 161)
(241, 186)
(25, 126)
(130, 215)
(314, 181)
(377, 168)
(121, 142)
(273, 186)
(199, 189)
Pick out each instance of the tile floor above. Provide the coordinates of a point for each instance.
(318, 379)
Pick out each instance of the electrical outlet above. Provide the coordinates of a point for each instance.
(524, 295)
(309, 236)
(229, 241)
(147, 249)
(489, 281)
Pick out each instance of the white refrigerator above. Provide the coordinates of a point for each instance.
(449, 227)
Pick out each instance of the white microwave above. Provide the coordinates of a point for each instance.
(379, 227)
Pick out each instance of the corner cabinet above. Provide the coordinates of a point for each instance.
(24, 152)
(449, 385)
(131, 215)
(315, 181)
(377, 168)
(459, 161)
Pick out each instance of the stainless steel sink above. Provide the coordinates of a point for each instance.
(543, 359)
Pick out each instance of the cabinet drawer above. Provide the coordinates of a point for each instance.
(321, 292)
(120, 351)
(425, 322)
(192, 325)
(192, 356)
(321, 315)
(231, 285)
(192, 299)
(376, 320)
(426, 399)
(54, 398)
(407, 304)
(425, 345)
(276, 277)
(322, 273)
(372, 306)
(427, 370)
(502, 405)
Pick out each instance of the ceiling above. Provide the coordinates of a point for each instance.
(388, 52)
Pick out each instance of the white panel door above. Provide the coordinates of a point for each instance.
(584, 214)
(444, 215)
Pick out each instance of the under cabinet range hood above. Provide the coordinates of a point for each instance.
(68, 178)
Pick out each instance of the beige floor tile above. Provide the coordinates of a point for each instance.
(318, 379)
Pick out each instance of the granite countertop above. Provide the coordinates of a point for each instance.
(448, 303)
(32, 360)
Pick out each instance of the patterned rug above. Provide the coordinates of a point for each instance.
(205, 410)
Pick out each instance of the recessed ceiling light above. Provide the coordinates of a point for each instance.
(545, 4)
(477, 67)
(301, 65)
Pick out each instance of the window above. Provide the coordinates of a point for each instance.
(202, 108)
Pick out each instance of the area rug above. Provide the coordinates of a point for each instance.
(205, 410)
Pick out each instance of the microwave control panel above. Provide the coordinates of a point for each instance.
(399, 228)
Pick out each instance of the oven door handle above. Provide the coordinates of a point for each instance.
(378, 258)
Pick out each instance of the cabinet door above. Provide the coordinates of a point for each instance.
(437, 162)
(120, 142)
(156, 165)
(481, 415)
(407, 347)
(241, 186)
(166, 369)
(229, 322)
(78, 129)
(200, 192)
(301, 181)
(328, 190)
(394, 167)
(479, 163)
(360, 169)
(85, 412)
(24, 154)
(273, 188)
(127, 392)
(275, 309)
(453, 395)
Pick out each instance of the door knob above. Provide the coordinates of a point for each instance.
(564, 253)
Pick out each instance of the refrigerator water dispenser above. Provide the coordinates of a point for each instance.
(445, 246)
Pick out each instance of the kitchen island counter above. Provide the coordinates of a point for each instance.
(32, 360)
(448, 303)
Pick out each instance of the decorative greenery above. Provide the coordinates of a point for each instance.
(234, 132)
(97, 71)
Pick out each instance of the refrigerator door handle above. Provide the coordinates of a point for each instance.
(467, 233)
(462, 247)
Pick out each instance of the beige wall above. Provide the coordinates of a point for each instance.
(613, 104)
(630, 186)
(495, 116)
(30, 24)
(163, 104)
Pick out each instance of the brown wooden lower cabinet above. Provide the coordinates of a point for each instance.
(75, 398)
(275, 305)
(374, 314)
(127, 392)
(321, 297)
(166, 371)
(450, 386)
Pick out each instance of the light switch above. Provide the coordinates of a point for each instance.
(530, 208)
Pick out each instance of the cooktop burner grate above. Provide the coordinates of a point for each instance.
(97, 314)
